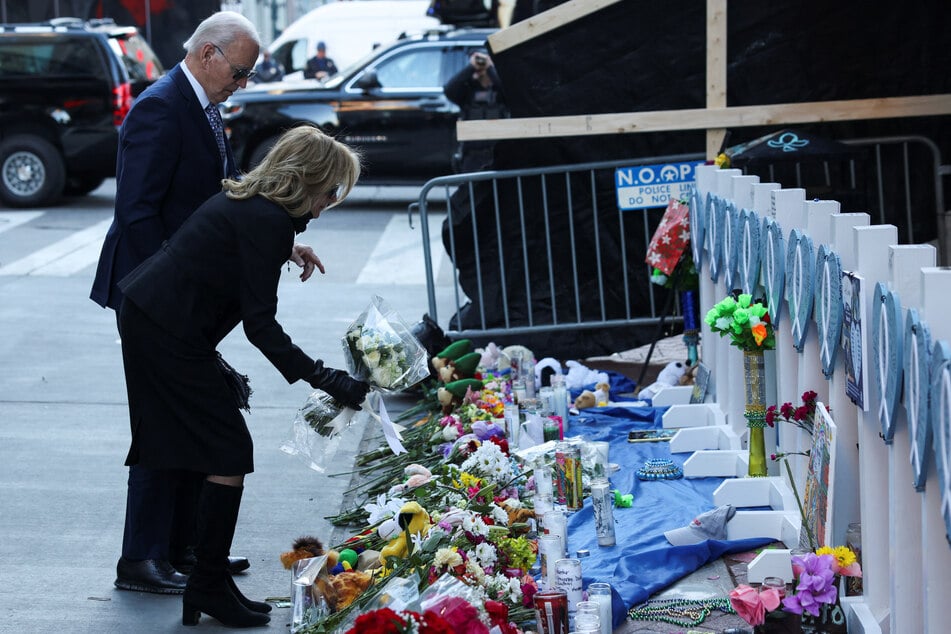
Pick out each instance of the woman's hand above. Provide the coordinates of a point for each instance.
(303, 256)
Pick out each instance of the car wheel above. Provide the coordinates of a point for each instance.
(82, 185)
(32, 173)
(261, 151)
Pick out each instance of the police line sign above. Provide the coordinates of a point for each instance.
(645, 186)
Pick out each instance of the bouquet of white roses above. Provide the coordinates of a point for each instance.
(382, 351)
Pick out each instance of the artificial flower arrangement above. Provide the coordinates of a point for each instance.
(746, 322)
(816, 581)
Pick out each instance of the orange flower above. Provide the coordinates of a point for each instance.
(759, 333)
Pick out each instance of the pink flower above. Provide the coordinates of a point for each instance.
(753, 605)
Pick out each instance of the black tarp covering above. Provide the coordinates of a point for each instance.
(638, 56)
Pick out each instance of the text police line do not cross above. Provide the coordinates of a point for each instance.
(645, 186)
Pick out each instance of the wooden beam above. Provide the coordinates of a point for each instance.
(704, 118)
(544, 22)
(716, 69)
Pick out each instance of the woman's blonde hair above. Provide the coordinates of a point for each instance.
(302, 166)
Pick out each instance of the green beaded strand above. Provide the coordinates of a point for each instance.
(682, 612)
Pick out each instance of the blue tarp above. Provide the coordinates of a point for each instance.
(643, 561)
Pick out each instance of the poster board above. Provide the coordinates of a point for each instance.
(818, 497)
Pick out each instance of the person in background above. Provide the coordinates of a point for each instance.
(172, 157)
(181, 302)
(477, 90)
(320, 66)
(268, 69)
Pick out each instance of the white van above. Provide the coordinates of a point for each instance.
(350, 30)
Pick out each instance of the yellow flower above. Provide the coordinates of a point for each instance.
(843, 555)
(468, 480)
(759, 333)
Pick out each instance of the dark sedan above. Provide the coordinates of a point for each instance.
(390, 106)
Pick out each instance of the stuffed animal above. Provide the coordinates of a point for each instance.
(517, 513)
(306, 547)
(690, 376)
(585, 400)
(668, 377)
(347, 586)
(602, 393)
(412, 518)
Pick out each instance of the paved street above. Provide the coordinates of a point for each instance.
(64, 421)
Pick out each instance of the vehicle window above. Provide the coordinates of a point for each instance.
(292, 55)
(64, 57)
(412, 69)
(138, 57)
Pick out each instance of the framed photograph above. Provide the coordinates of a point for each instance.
(853, 339)
(701, 381)
(650, 435)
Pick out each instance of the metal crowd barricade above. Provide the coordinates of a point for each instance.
(592, 233)
(897, 174)
(882, 183)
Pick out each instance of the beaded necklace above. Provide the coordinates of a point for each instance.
(682, 612)
(660, 469)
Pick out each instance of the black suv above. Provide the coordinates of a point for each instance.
(390, 106)
(65, 88)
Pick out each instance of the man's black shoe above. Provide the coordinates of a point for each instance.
(149, 575)
(186, 562)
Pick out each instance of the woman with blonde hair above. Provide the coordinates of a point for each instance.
(222, 268)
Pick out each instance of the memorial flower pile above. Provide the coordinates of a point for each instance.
(453, 507)
(744, 321)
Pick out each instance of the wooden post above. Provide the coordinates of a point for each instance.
(716, 69)
(743, 190)
(785, 206)
(904, 505)
(706, 183)
(935, 551)
(868, 502)
(763, 197)
(732, 397)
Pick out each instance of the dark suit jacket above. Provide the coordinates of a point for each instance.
(168, 164)
(220, 269)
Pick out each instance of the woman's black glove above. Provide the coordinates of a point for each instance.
(339, 385)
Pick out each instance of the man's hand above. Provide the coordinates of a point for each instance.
(303, 256)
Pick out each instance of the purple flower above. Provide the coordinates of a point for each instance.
(484, 430)
(816, 584)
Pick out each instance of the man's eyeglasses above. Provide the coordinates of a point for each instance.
(239, 73)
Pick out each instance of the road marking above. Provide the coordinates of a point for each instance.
(11, 219)
(398, 255)
(65, 257)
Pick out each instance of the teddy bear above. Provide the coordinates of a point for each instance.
(585, 400)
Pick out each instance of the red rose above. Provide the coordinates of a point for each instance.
(382, 621)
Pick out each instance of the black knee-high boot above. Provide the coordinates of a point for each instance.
(209, 587)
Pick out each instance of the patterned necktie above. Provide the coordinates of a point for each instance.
(214, 117)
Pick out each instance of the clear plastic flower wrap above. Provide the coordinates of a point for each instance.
(321, 427)
(381, 350)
